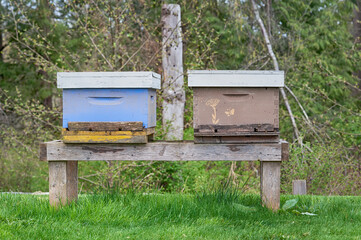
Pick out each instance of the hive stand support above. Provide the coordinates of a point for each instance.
(271, 184)
(63, 162)
(63, 182)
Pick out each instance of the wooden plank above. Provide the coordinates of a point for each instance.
(105, 126)
(236, 129)
(105, 139)
(108, 80)
(104, 133)
(271, 184)
(146, 131)
(172, 60)
(226, 78)
(150, 131)
(163, 151)
(237, 139)
(63, 182)
(299, 187)
(107, 136)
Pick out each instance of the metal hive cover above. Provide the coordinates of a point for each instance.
(108, 80)
(235, 78)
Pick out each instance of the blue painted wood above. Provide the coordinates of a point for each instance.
(109, 105)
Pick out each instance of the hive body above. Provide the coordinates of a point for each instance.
(235, 106)
(108, 107)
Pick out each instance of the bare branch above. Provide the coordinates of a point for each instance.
(307, 119)
(265, 35)
(253, 62)
(92, 39)
(92, 182)
(141, 181)
(161, 47)
(130, 58)
(275, 63)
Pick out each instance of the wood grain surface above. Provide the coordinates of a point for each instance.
(107, 136)
(271, 184)
(63, 182)
(161, 151)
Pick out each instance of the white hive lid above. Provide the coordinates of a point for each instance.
(237, 78)
(108, 80)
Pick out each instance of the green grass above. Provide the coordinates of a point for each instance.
(216, 215)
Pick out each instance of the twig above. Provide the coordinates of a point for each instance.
(308, 121)
(90, 181)
(161, 47)
(39, 34)
(266, 62)
(4, 114)
(254, 61)
(130, 58)
(92, 40)
(337, 78)
(81, 188)
(331, 100)
(141, 181)
(232, 174)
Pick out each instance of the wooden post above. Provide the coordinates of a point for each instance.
(63, 162)
(299, 187)
(271, 179)
(63, 182)
(172, 58)
(271, 184)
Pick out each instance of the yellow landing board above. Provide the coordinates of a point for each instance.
(105, 136)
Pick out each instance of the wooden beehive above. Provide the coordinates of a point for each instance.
(236, 106)
(108, 107)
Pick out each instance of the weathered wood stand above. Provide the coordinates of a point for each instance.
(63, 162)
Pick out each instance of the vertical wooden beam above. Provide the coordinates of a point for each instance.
(299, 187)
(271, 184)
(63, 182)
(172, 58)
(285, 151)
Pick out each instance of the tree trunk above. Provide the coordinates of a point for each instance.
(1, 38)
(356, 32)
(172, 58)
(269, 3)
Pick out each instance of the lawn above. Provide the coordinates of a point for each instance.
(214, 215)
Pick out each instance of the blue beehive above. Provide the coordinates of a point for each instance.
(109, 97)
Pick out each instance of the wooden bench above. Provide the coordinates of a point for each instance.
(63, 162)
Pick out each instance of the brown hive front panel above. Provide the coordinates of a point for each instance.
(235, 113)
(244, 109)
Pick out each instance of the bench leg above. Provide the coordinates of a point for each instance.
(63, 182)
(271, 184)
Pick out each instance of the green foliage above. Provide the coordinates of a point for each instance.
(326, 169)
(24, 124)
(289, 204)
(320, 61)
